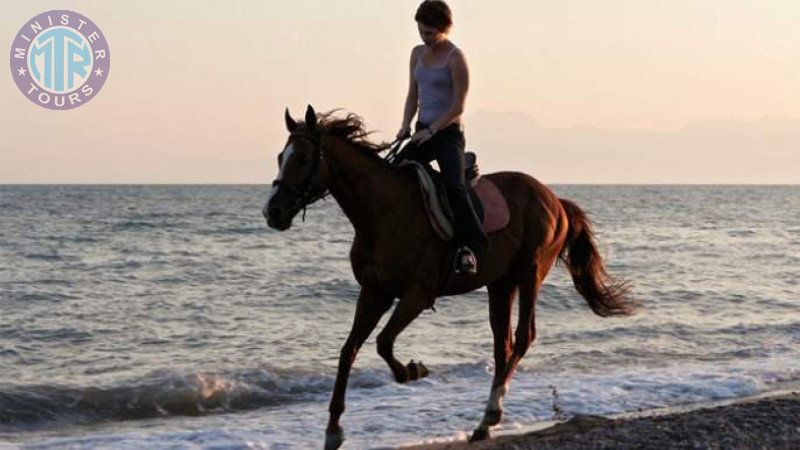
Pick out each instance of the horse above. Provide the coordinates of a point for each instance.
(396, 254)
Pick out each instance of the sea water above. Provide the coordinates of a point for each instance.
(173, 317)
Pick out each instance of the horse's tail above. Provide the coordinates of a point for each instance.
(604, 295)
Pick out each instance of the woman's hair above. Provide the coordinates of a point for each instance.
(435, 13)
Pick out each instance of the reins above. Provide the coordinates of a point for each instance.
(396, 144)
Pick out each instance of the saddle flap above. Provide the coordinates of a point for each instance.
(437, 214)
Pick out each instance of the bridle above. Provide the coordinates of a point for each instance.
(304, 194)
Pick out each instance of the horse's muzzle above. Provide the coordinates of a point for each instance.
(276, 217)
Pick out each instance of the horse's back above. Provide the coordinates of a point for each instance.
(533, 206)
(521, 189)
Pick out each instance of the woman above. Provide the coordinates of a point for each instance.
(437, 89)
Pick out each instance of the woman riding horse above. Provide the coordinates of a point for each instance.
(438, 83)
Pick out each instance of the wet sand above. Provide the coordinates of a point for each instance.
(758, 423)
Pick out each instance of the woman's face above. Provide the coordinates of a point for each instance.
(430, 35)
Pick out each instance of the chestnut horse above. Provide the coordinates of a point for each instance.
(397, 254)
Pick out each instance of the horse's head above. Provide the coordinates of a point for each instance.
(301, 172)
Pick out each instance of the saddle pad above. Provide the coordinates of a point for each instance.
(495, 208)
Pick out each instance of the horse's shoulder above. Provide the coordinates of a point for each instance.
(369, 268)
(362, 255)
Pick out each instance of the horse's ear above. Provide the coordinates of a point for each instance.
(311, 118)
(291, 125)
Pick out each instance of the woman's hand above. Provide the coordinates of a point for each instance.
(405, 131)
(422, 135)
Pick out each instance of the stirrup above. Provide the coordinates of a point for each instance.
(465, 262)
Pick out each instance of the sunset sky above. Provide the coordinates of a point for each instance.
(196, 89)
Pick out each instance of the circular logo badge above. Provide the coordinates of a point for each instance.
(60, 59)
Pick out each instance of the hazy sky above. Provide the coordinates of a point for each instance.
(196, 89)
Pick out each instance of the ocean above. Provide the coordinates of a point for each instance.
(172, 317)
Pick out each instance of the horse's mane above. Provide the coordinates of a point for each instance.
(351, 129)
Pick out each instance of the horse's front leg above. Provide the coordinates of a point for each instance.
(369, 310)
(409, 307)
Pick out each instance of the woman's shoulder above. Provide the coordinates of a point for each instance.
(456, 55)
(416, 52)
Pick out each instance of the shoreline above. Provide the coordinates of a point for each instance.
(767, 421)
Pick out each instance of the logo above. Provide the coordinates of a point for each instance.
(60, 59)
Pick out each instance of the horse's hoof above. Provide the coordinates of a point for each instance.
(416, 370)
(334, 440)
(493, 417)
(423, 371)
(479, 435)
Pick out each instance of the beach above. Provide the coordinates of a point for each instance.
(755, 423)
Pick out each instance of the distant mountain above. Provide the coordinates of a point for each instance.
(764, 151)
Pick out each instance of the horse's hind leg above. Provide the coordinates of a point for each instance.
(409, 307)
(525, 335)
(501, 297)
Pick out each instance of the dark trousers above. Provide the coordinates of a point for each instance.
(447, 148)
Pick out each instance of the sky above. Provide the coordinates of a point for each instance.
(612, 91)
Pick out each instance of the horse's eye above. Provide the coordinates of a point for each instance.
(304, 159)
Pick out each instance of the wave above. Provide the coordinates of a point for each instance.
(132, 225)
(164, 394)
(145, 225)
(48, 257)
(259, 229)
(19, 296)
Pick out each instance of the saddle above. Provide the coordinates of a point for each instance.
(487, 200)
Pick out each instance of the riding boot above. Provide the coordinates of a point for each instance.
(469, 237)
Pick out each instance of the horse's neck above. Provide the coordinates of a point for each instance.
(365, 188)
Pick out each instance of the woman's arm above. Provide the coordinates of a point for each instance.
(410, 108)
